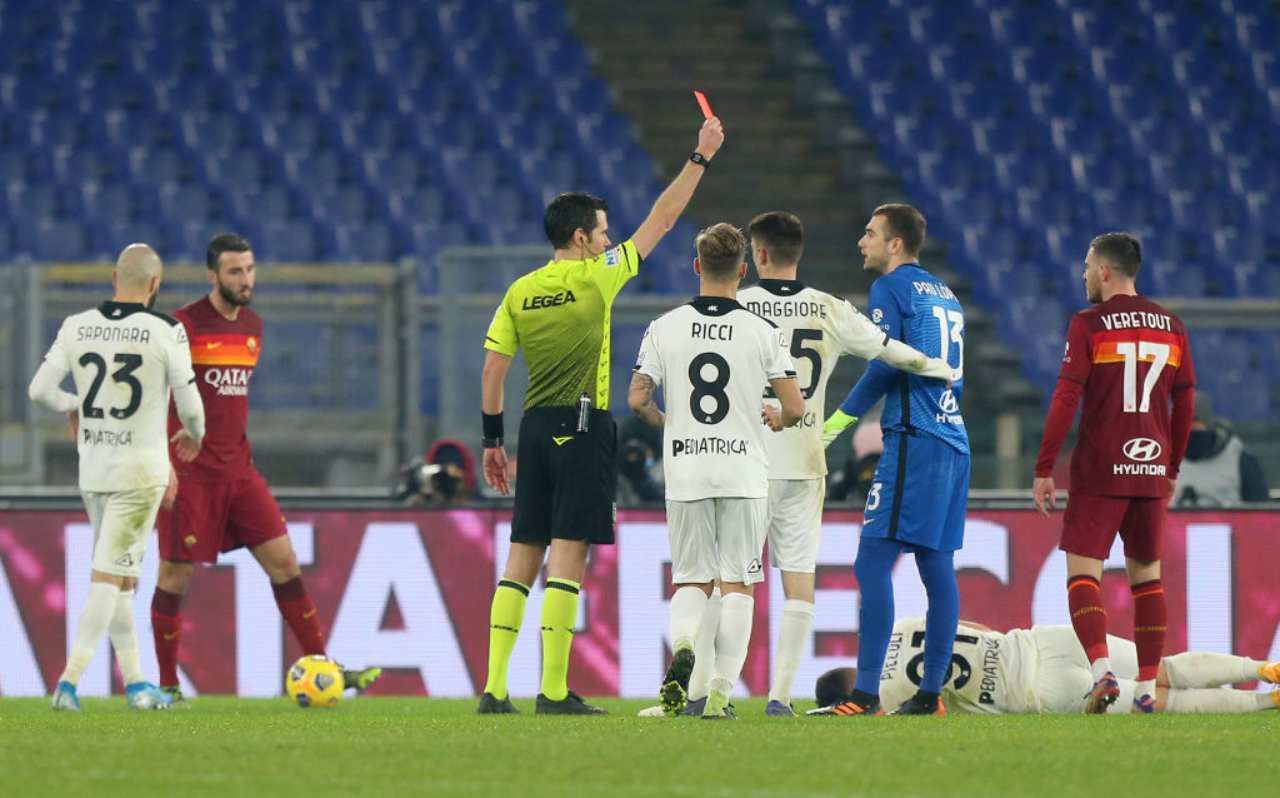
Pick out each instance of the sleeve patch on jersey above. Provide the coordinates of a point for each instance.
(877, 315)
(613, 256)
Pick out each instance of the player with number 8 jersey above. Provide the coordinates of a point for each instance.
(1128, 358)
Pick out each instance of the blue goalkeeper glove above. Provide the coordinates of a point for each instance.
(835, 424)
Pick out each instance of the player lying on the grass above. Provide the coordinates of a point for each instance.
(125, 358)
(1044, 670)
(222, 501)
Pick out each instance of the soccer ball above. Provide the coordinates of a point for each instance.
(314, 681)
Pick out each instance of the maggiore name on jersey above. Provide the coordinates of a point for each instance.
(229, 382)
(783, 309)
(114, 333)
(681, 446)
(1133, 319)
(548, 301)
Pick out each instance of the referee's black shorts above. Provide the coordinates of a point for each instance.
(565, 480)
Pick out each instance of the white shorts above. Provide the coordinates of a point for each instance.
(121, 522)
(1063, 676)
(717, 539)
(795, 523)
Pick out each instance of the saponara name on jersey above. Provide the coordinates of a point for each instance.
(113, 334)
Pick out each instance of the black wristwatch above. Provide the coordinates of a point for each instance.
(700, 160)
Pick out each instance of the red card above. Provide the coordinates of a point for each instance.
(703, 104)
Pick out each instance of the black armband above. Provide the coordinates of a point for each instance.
(492, 430)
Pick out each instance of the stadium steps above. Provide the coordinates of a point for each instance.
(793, 143)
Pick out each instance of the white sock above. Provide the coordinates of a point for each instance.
(686, 615)
(704, 650)
(125, 640)
(732, 640)
(1205, 669)
(1186, 702)
(1100, 666)
(793, 636)
(93, 625)
(1147, 687)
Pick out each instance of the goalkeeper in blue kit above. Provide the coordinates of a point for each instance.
(917, 501)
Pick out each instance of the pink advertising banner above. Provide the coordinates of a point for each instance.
(409, 591)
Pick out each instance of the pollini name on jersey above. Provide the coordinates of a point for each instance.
(711, 332)
(114, 333)
(104, 437)
(933, 289)
(548, 301)
(787, 309)
(228, 381)
(710, 445)
(1137, 319)
(891, 657)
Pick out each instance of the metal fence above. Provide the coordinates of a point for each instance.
(329, 398)
(361, 371)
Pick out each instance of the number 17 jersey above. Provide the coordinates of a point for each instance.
(1130, 355)
(713, 359)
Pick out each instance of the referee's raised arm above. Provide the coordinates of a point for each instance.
(672, 202)
(559, 314)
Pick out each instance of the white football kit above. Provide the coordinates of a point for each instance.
(1038, 670)
(819, 328)
(713, 359)
(124, 359)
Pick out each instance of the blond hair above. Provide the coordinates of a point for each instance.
(721, 250)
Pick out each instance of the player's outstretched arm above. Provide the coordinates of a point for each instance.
(908, 358)
(672, 202)
(640, 400)
(493, 379)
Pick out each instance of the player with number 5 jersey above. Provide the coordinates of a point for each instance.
(1128, 359)
(819, 328)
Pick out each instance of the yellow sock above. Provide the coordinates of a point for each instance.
(559, 616)
(504, 626)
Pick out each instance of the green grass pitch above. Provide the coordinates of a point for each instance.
(402, 746)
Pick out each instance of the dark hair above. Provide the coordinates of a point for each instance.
(781, 233)
(569, 212)
(721, 250)
(905, 222)
(224, 242)
(834, 686)
(1121, 250)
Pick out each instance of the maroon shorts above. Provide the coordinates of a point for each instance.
(212, 517)
(1090, 524)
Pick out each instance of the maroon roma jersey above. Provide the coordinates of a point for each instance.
(224, 354)
(1130, 356)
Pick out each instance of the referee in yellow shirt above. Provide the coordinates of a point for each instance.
(559, 314)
